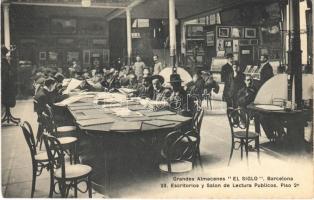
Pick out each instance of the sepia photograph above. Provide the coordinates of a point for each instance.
(157, 99)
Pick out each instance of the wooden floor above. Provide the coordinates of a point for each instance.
(137, 179)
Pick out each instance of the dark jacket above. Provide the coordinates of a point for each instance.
(8, 84)
(43, 98)
(145, 92)
(266, 72)
(226, 73)
(162, 95)
(245, 96)
(179, 101)
(196, 89)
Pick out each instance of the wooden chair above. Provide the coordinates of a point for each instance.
(68, 142)
(195, 134)
(65, 176)
(178, 156)
(60, 130)
(39, 160)
(239, 121)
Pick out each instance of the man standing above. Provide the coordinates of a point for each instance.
(138, 68)
(157, 65)
(226, 73)
(265, 69)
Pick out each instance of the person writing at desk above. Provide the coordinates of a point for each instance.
(160, 93)
(178, 101)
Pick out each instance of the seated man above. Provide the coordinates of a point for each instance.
(160, 93)
(195, 88)
(178, 100)
(44, 96)
(133, 84)
(113, 83)
(96, 83)
(246, 95)
(146, 89)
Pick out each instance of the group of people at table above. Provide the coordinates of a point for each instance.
(239, 90)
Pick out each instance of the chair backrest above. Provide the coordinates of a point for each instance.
(55, 153)
(238, 119)
(29, 137)
(51, 123)
(197, 120)
(174, 149)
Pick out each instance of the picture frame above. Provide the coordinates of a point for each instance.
(220, 45)
(250, 33)
(254, 42)
(195, 31)
(210, 38)
(228, 43)
(42, 55)
(244, 42)
(236, 32)
(223, 32)
(63, 26)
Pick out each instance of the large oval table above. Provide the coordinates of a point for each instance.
(151, 135)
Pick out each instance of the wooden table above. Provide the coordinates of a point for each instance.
(292, 120)
(150, 133)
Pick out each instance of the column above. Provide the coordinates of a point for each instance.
(129, 35)
(295, 50)
(172, 34)
(6, 23)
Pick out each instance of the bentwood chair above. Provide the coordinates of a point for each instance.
(239, 121)
(60, 130)
(68, 142)
(39, 160)
(64, 175)
(195, 134)
(177, 155)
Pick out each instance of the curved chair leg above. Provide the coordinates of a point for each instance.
(89, 185)
(199, 157)
(232, 147)
(241, 145)
(257, 149)
(247, 152)
(75, 188)
(34, 180)
(51, 183)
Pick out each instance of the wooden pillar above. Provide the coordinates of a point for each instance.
(295, 51)
(6, 23)
(172, 35)
(129, 35)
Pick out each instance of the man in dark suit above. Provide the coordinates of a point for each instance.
(226, 72)
(160, 93)
(265, 69)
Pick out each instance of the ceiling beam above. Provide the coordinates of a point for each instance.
(117, 13)
(111, 6)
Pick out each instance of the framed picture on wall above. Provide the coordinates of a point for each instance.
(250, 33)
(63, 26)
(210, 38)
(236, 32)
(224, 32)
(244, 42)
(220, 45)
(42, 55)
(86, 57)
(195, 31)
(254, 42)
